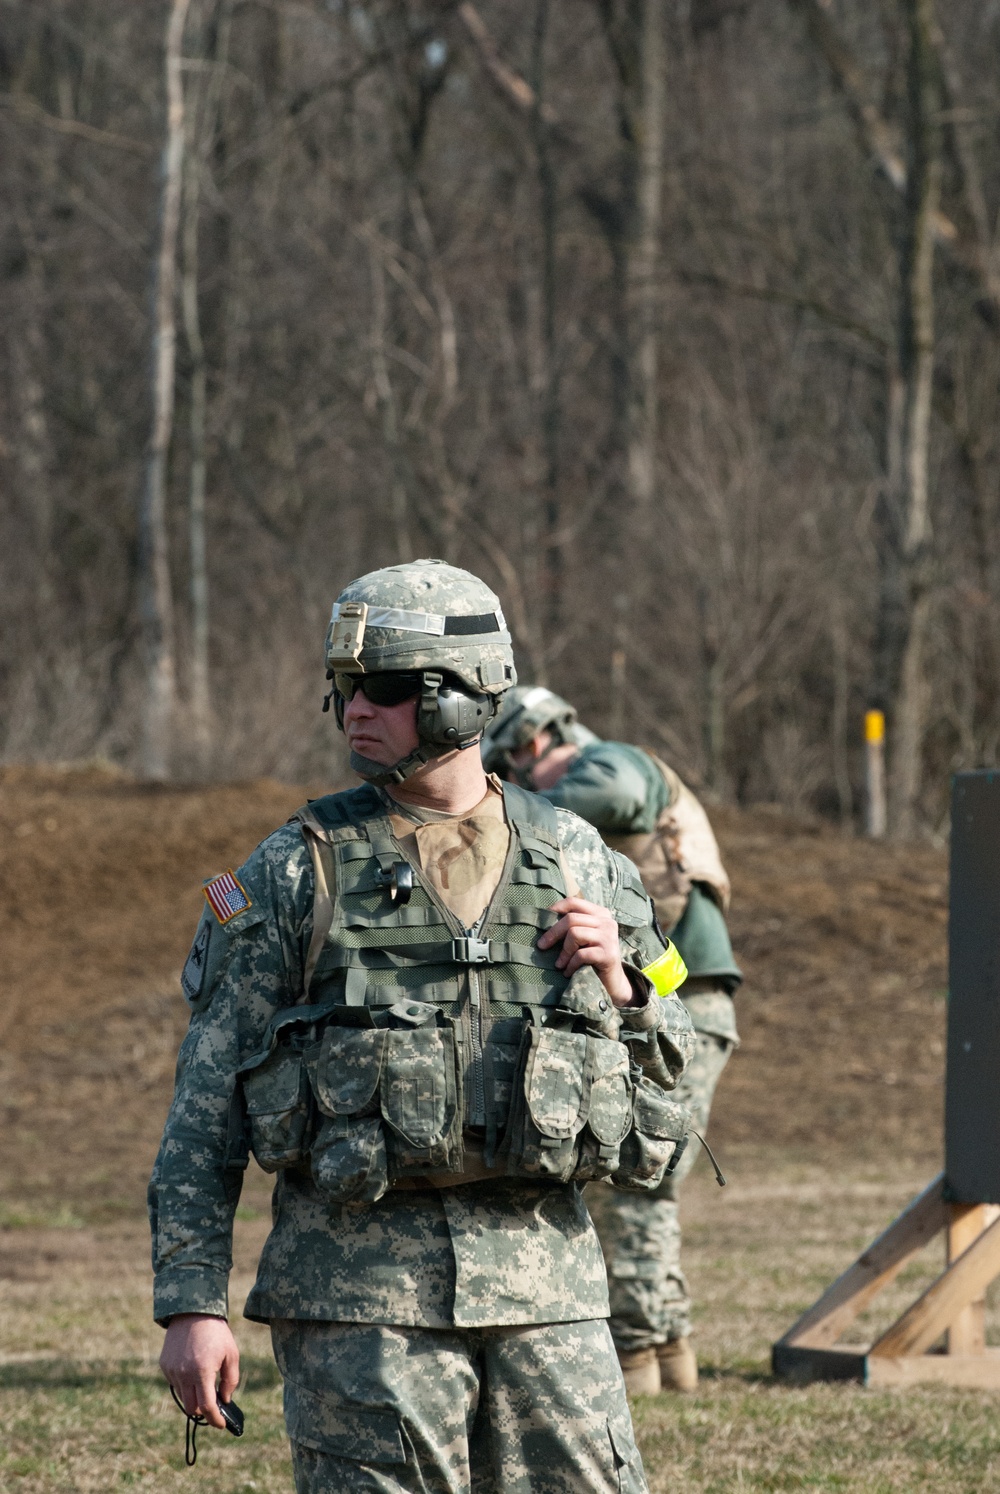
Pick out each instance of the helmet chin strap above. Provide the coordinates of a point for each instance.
(380, 775)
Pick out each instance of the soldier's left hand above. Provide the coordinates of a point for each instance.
(589, 936)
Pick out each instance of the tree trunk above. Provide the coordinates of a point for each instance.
(200, 123)
(551, 415)
(632, 226)
(156, 607)
(643, 266)
(399, 499)
(916, 360)
(200, 698)
(840, 723)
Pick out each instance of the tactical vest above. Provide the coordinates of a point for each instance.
(419, 1043)
(682, 849)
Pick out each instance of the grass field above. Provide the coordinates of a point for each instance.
(82, 1407)
(828, 1121)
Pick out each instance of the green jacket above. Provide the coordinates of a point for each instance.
(500, 1251)
(620, 791)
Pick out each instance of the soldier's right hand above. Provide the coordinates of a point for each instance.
(197, 1349)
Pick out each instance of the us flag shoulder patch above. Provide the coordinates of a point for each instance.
(226, 897)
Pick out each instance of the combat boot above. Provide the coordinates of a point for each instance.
(640, 1371)
(677, 1365)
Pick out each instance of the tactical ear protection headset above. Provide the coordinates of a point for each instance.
(448, 715)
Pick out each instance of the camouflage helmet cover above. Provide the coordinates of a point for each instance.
(526, 711)
(424, 614)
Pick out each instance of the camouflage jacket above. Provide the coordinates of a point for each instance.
(498, 1251)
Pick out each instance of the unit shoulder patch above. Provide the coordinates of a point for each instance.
(226, 896)
(193, 974)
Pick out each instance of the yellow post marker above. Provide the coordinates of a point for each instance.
(875, 817)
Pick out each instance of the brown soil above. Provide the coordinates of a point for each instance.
(842, 1013)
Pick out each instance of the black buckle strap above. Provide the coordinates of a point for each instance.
(472, 951)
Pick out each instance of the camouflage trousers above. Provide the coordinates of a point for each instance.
(641, 1232)
(535, 1410)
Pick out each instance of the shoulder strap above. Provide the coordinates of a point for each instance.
(317, 839)
(349, 807)
(320, 820)
(532, 813)
(687, 827)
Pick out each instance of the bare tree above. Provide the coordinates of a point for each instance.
(201, 110)
(155, 600)
(425, 308)
(911, 533)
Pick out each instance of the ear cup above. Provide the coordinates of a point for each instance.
(456, 718)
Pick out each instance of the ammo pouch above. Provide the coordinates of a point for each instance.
(571, 1106)
(365, 1105)
(276, 1095)
(389, 1103)
(656, 1142)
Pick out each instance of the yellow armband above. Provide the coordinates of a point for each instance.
(668, 972)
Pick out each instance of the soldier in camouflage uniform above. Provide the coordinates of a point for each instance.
(434, 1006)
(641, 808)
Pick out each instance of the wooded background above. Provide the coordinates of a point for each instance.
(677, 320)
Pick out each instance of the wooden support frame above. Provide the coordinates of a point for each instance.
(952, 1306)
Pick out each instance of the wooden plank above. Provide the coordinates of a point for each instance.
(937, 1309)
(840, 1304)
(801, 1365)
(973, 1371)
(967, 1333)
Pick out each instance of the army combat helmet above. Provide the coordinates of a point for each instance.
(526, 711)
(441, 625)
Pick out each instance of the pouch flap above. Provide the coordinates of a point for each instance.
(622, 1438)
(610, 1114)
(345, 1073)
(276, 1085)
(418, 1082)
(413, 1013)
(554, 1081)
(301, 1016)
(656, 1114)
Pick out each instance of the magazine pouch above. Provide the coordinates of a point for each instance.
(657, 1139)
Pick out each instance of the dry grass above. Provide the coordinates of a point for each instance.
(82, 1408)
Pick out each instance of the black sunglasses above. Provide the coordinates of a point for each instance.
(381, 689)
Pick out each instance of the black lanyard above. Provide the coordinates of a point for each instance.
(231, 1415)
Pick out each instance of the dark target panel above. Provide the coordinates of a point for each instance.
(972, 1101)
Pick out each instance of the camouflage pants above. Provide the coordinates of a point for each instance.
(472, 1411)
(641, 1232)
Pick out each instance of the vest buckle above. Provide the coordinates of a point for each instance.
(471, 951)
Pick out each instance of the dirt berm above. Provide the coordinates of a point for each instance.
(842, 1012)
